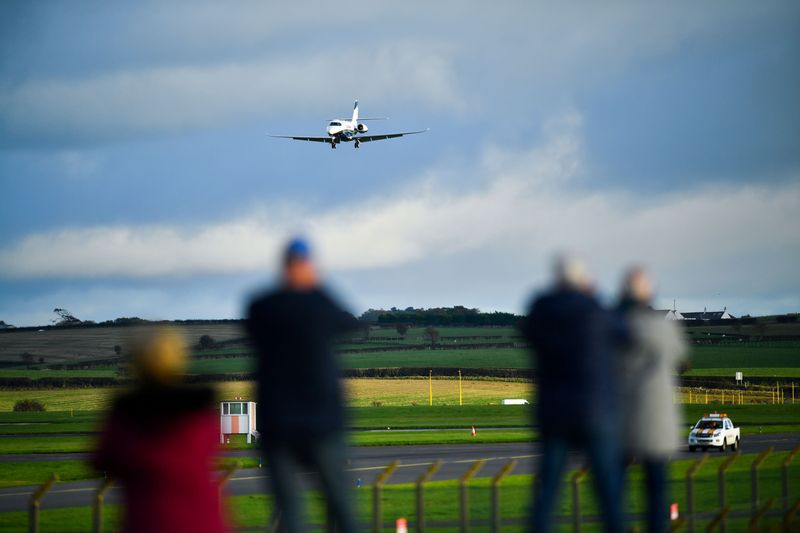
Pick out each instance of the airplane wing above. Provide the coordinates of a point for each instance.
(368, 138)
(312, 139)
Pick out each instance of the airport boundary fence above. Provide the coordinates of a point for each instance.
(781, 392)
(770, 502)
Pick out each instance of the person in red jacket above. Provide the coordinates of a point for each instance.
(159, 443)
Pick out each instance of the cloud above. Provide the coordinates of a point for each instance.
(737, 239)
(77, 164)
(122, 104)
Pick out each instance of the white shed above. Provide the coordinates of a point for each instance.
(237, 417)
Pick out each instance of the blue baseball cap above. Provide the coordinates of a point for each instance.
(298, 248)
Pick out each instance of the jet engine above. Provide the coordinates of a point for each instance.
(362, 128)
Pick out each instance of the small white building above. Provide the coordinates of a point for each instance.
(237, 417)
(514, 401)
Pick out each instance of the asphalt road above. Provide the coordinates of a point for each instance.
(365, 464)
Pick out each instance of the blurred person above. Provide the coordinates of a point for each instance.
(301, 405)
(647, 367)
(571, 337)
(160, 441)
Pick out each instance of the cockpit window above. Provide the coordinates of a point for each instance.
(335, 124)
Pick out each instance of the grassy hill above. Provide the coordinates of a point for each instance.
(90, 351)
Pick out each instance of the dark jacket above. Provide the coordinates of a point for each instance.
(299, 389)
(159, 444)
(572, 336)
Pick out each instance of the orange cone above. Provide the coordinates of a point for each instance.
(401, 525)
(473, 431)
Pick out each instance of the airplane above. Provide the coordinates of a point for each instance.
(343, 130)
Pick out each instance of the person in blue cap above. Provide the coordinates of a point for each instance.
(301, 403)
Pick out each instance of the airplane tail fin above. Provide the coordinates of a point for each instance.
(355, 113)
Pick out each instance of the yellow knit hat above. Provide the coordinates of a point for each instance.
(159, 355)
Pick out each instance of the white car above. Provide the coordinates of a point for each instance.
(714, 430)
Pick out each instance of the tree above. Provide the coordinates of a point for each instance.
(402, 329)
(431, 335)
(65, 318)
(28, 405)
(206, 341)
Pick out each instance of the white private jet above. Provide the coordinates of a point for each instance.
(343, 130)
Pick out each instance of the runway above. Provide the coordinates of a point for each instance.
(365, 464)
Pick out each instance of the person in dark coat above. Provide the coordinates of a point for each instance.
(301, 404)
(159, 444)
(571, 336)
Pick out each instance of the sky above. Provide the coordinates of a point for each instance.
(138, 179)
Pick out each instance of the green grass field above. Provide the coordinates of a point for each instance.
(742, 355)
(768, 359)
(454, 424)
(772, 359)
(441, 498)
(35, 373)
(12, 423)
(779, 373)
(404, 417)
(455, 358)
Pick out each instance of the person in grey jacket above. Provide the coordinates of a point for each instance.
(650, 418)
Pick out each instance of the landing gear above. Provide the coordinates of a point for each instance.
(357, 143)
(333, 144)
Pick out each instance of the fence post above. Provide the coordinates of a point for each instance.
(723, 504)
(690, 491)
(228, 472)
(577, 477)
(432, 469)
(464, 515)
(785, 476)
(99, 500)
(754, 479)
(496, 494)
(35, 503)
(377, 487)
(719, 520)
(788, 517)
(759, 515)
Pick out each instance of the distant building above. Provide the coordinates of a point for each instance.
(708, 315)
